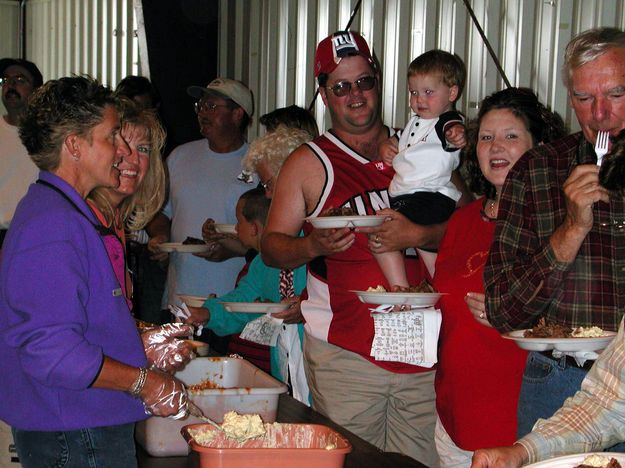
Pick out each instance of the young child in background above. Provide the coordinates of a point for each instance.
(261, 282)
(422, 156)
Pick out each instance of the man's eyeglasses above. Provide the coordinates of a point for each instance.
(205, 106)
(14, 80)
(343, 88)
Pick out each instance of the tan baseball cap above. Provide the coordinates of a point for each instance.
(228, 89)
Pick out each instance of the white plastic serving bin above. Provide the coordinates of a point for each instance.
(245, 389)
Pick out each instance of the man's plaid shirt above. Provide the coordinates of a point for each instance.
(593, 419)
(523, 279)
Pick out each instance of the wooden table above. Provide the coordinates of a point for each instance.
(363, 455)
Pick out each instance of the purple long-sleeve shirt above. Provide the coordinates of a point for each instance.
(61, 312)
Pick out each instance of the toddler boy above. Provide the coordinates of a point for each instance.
(422, 157)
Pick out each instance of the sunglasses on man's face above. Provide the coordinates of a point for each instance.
(343, 88)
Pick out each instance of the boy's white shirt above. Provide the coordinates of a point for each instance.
(417, 172)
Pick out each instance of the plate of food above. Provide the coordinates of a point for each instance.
(421, 295)
(584, 460)
(343, 217)
(193, 301)
(226, 228)
(336, 222)
(189, 245)
(544, 337)
(256, 307)
(393, 298)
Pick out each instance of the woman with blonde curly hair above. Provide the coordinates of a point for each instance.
(141, 191)
(265, 156)
(267, 153)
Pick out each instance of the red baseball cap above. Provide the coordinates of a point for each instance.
(341, 44)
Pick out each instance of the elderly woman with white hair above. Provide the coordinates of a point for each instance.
(266, 156)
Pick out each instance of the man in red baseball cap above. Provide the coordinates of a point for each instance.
(390, 404)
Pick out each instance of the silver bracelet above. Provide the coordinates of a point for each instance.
(139, 383)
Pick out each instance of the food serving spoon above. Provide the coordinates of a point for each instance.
(197, 412)
(194, 410)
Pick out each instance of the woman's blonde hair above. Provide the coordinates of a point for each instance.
(274, 147)
(138, 209)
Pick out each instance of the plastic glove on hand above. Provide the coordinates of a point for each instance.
(164, 395)
(162, 348)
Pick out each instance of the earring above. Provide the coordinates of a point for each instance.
(75, 157)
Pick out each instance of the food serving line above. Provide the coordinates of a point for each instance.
(242, 388)
(247, 390)
(218, 385)
(363, 454)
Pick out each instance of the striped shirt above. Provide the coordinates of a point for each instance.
(593, 419)
(523, 279)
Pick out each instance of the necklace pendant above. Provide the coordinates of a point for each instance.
(492, 212)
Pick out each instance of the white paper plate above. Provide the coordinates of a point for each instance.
(414, 299)
(571, 461)
(183, 248)
(327, 222)
(256, 307)
(560, 344)
(225, 228)
(193, 301)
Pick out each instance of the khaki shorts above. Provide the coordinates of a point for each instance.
(395, 412)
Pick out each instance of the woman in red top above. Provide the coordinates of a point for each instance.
(479, 373)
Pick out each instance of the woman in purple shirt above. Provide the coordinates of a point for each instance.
(74, 366)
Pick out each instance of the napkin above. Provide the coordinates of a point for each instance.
(407, 336)
(264, 330)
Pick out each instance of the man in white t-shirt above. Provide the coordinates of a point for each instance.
(18, 79)
(203, 184)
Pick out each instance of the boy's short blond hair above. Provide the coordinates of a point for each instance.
(449, 66)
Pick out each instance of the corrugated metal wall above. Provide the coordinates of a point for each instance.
(270, 44)
(9, 28)
(97, 37)
(9, 32)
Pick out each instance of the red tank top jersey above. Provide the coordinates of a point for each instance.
(333, 312)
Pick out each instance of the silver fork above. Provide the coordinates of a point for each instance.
(601, 146)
